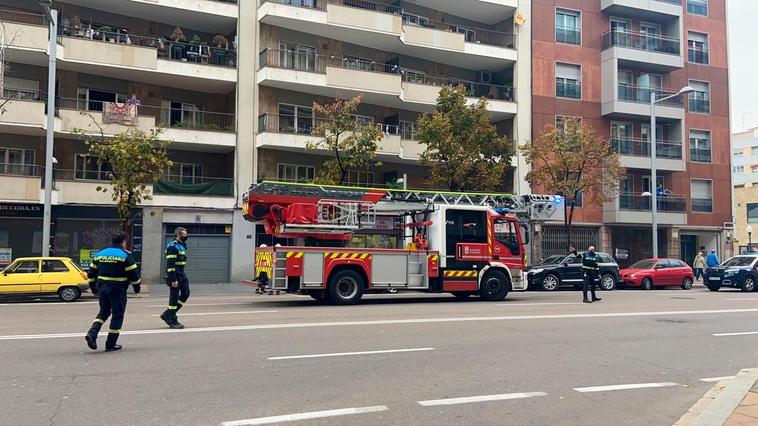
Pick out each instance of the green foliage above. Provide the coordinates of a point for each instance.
(462, 145)
(137, 159)
(351, 145)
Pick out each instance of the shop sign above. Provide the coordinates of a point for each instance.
(6, 256)
(20, 210)
(85, 257)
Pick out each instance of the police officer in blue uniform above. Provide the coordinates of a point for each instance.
(591, 272)
(110, 273)
(176, 279)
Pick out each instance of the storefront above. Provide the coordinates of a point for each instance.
(20, 231)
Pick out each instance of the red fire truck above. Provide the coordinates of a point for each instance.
(464, 244)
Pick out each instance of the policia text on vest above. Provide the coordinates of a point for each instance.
(176, 279)
(110, 273)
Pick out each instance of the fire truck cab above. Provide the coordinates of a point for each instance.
(456, 243)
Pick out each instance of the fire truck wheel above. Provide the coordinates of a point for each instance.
(462, 294)
(319, 295)
(494, 286)
(346, 287)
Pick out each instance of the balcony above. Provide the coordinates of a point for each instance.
(21, 182)
(700, 155)
(697, 55)
(632, 101)
(26, 36)
(289, 133)
(635, 154)
(699, 102)
(197, 186)
(702, 205)
(645, 9)
(569, 89)
(633, 49)
(386, 27)
(23, 112)
(637, 209)
(423, 90)
(203, 131)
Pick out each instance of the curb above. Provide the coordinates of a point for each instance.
(715, 407)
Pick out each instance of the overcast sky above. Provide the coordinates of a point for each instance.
(743, 57)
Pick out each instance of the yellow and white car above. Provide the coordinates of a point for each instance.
(44, 275)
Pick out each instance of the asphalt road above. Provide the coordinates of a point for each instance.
(636, 358)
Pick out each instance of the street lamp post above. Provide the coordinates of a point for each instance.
(749, 237)
(653, 174)
(52, 17)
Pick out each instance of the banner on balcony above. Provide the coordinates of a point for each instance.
(114, 113)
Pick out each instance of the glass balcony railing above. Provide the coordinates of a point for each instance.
(642, 148)
(700, 155)
(697, 56)
(282, 123)
(665, 204)
(473, 89)
(700, 104)
(568, 35)
(641, 94)
(565, 88)
(640, 41)
(702, 205)
(17, 169)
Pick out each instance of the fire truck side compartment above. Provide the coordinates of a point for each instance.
(313, 270)
(390, 269)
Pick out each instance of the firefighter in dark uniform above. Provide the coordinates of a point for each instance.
(111, 271)
(591, 272)
(179, 291)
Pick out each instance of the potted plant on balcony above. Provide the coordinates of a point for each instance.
(178, 35)
(106, 32)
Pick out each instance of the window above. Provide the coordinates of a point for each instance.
(568, 27)
(700, 146)
(185, 115)
(415, 20)
(577, 202)
(297, 56)
(561, 120)
(604, 258)
(568, 79)
(700, 99)
(89, 167)
(650, 36)
(752, 212)
(295, 119)
(92, 100)
(506, 234)
(622, 138)
(295, 173)
(739, 153)
(738, 169)
(697, 47)
(356, 63)
(360, 178)
(702, 195)
(53, 266)
(754, 170)
(753, 151)
(185, 173)
(25, 267)
(15, 161)
(697, 7)
(407, 130)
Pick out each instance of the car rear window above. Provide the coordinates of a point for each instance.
(604, 258)
(54, 266)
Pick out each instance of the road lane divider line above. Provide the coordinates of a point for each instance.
(480, 398)
(739, 333)
(625, 387)
(190, 305)
(389, 351)
(540, 304)
(392, 322)
(200, 314)
(41, 303)
(716, 379)
(743, 298)
(307, 416)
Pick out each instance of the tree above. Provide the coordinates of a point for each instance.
(352, 143)
(462, 145)
(136, 159)
(572, 160)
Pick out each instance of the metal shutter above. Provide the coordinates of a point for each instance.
(207, 260)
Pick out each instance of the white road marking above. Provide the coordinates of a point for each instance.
(389, 351)
(480, 398)
(744, 298)
(742, 333)
(43, 303)
(539, 304)
(394, 321)
(716, 379)
(189, 305)
(625, 387)
(306, 416)
(200, 314)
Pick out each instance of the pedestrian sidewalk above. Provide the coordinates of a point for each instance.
(731, 402)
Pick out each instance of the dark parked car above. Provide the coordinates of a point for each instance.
(557, 271)
(738, 272)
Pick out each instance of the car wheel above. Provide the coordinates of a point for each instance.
(647, 284)
(69, 294)
(346, 287)
(462, 294)
(748, 284)
(550, 282)
(607, 282)
(687, 283)
(495, 286)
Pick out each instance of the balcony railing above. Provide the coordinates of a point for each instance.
(473, 89)
(23, 94)
(702, 205)
(642, 148)
(678, 2)
(164, 116)
(195, 185)
(700, 155)
(665, 204)
(568, 35)
(700, 104)
(565, 88)
(697, 56)
(16, 169)
(640, 41)
(21, 17)
(166, 49)
(641, 94)
(281, 123)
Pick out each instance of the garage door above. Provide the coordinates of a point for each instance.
(207, 258)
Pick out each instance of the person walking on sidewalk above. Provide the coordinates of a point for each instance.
(110, 273)
(712, 260)
(590, 270)
(698, 265)
(176, 279)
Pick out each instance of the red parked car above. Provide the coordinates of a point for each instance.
(650, 273)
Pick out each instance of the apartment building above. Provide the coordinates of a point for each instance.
(745, 180)
(232, 84)
(600, 61)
